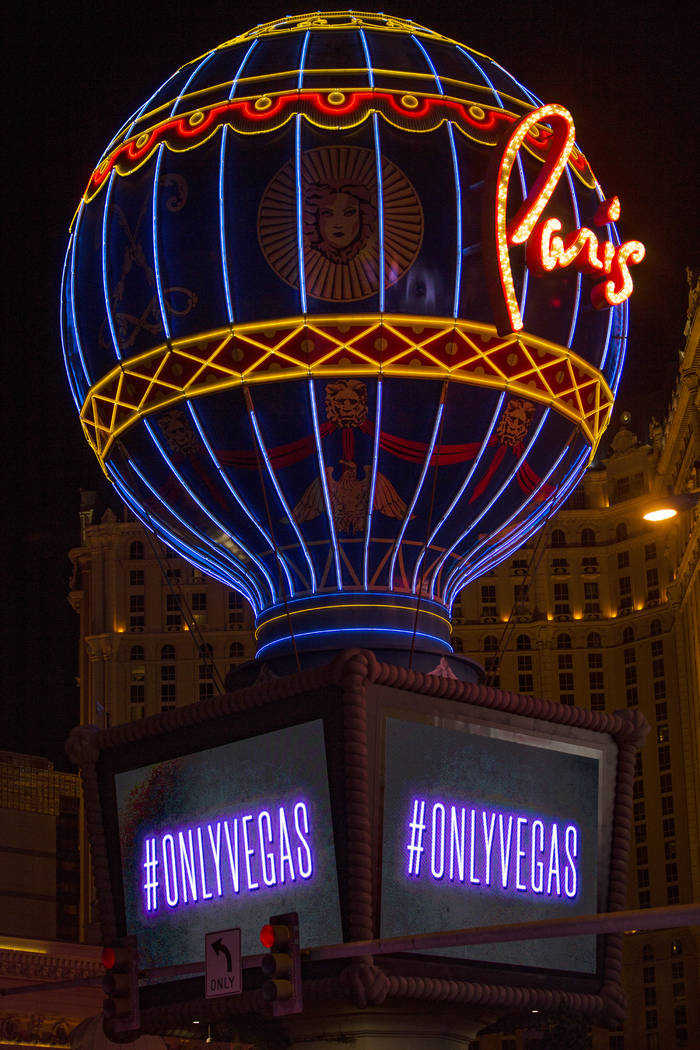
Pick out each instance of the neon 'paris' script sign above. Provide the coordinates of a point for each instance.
(545, 249)
(493, 849)
(225, 857)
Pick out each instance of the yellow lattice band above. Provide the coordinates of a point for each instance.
(356, 345)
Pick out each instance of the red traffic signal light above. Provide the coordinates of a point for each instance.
(282, 966)
(121, 1010)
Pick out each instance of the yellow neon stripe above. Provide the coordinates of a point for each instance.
(353, 605)
(108, 411)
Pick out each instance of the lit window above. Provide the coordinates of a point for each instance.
(663, 734)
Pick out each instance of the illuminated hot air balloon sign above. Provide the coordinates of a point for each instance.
(344, 311)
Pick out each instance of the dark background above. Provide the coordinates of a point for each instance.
(75, 71)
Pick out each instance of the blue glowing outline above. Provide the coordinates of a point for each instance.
(299, 214)
(105, 288)
(131, 121)
(193, 74)
(390, 631)
(577, 221)
(280, 496)
(222, 204)
(457, 498)
(324, 484)
(458, 186)
(76, 332)
(409, 512)
(529, 526)
(372, 484)
(297, 180)
(66, 329)
(241, 503)
(193, 496)
(526, 527)
(380, 184)
(156, 253)
(220, 553)
(496, 496)
(159, 529)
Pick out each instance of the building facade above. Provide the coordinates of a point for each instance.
(602, 610)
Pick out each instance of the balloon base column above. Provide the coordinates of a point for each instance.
(388, 1027)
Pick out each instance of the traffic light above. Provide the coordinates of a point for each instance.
(282, 966)
(120, 1010)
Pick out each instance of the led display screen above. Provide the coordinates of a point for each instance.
(488, 826)
(226, 837)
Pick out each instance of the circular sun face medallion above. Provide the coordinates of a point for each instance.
(340, 223)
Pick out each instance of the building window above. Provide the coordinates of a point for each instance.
(655, 627)
(206, 690)
(643, 877)
(631, 675)
(644, 898)
(651, 1019)
(638, 788)
(617, 1042)
(588, 540)
(639, 813)
(168, 696)
(649, 974)
(490, 643)
(236, 653)
(670, 849)
(235, 610)
(525, 683)
(638, 766)
(627, 635)
(566, 698)
(199, 608)
(625, 586)
(488, 600)
(677, 970)
(640, 833)
(560, 565)
(668, 826)
(679, 1015)
(173, 616)
(658, 667)
(591, 597)
(623, 559)
(523, 643)
(595, 680)
(665, 783)
(660, 689)
(632, 696)
(642, 855)
(565, 662)
(561, 599)
(566, 682)
(661, 712)
(597, 701)
(136, 652)
(621, 532)
(136, 578)
(589, 564)
(648, 953)
(649, 551)
(657, 648)
(653, 585)
(664, 758)
(137, 701)
(136, 611)
(676, 947)
(520, 594)
(595, 659)
(136, 551)
(558, 538)
(672, 872)
(662, 734)
(167, 652)
(673, 895)
(650, 996)
(563, 641)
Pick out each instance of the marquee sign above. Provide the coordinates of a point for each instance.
(390, 805)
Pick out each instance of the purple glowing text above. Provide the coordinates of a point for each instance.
(226, 857)
(492, 849)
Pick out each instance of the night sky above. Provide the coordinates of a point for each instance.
(76, 70)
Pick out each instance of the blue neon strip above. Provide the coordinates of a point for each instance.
(74, 325)
(497, 495)
(372, 485)
(577, 222)
(534, 522)
(324, 485)
(222, 196)
(458, 188)
(193, 74)
(419, 486)
(221, 554)
(65, 327)
(248, 553)
(388, 632)
(299, 207)
(455, 501)
(193, 496)
(244, 507)
(365, 48)
(156, 253)
(150, 522)
(380, 185)
(297, 179)
(287, 509)
(105, 275)
(525, 528)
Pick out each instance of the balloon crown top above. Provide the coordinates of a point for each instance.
(335, 20)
